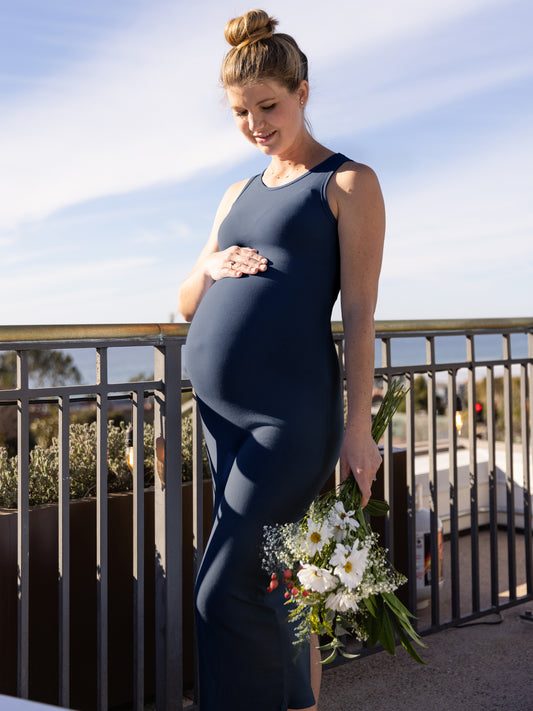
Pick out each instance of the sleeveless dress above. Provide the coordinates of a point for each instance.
(261, 359)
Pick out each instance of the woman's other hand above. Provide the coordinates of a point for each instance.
(360, 456)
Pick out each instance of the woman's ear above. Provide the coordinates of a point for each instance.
(303, 93)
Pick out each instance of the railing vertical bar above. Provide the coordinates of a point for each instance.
(339, 346)
(138, 550)
(63, 523)
(493, 488)
(474, 496)
(509, 478)
(197, 518)
(453, 489)
(411, 491)
(433, 483)
(168, 528)
(527, 470)
(526, 497)
(388, 466)
(23, 526)
(101, 532)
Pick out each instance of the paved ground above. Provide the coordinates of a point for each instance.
(477, 668)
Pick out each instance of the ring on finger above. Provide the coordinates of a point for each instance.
(232, 262)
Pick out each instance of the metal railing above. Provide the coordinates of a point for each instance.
(446, 377)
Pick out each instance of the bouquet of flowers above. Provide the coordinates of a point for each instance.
(338, 578)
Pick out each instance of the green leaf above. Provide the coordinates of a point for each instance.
(394, 604)
(406, 642)
(323, 647)
(339, 630)
(370, 604)
(374, 626)
(331, 657)
(375, 507)
(386, 636)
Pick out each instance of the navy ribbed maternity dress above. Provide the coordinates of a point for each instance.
(261, 358)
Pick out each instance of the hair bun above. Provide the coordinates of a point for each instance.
(251, 27)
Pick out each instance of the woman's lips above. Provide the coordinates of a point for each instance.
(265, 138)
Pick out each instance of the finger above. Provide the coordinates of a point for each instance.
(247, 255)
(345, 470)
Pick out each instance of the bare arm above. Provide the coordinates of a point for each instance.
(361, 223)
(212, 264)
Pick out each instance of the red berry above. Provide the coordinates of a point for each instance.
(287, 574)
(273, 584)
(294, 591)
(274, 576)
(287, 595)
(305, 593)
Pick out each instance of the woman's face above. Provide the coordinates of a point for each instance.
(268, 115)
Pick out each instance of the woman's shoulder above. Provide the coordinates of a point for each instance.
(351, 173)
(351, 184)
(229, 197)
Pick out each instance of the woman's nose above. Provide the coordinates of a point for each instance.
(254, 121)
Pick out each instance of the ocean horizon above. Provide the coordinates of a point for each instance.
(137, 362)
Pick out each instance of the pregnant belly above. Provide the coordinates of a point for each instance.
(254, 340)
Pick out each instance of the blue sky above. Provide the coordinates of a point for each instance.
(116, 147)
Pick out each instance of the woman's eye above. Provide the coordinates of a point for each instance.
(240, 113)
(267, 108)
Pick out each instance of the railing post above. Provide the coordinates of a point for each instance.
(388, 465)
(433, 481)
(472, 443)
(102, 566)
(63, 534)
(138, 550)
(509, 468)
(168, 534)
(454, 496)
(23, 526)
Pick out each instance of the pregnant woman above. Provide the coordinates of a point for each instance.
(261, 358)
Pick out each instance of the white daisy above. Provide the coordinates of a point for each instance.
(316, 579)
(318, 535)
(340, 520)
(339, 555)
(341, 601)
(350, 571)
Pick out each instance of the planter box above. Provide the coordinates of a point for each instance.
(43, 643)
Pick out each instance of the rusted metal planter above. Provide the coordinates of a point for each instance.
(44, 607)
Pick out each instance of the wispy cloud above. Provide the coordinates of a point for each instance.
(143, 107)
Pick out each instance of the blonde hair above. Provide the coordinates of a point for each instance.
(259, 53)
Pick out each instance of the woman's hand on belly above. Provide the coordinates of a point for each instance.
(234, 262)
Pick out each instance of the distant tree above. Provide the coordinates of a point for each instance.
(420, 387)
(45, 367)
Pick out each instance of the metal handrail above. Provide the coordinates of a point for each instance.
(67, 332)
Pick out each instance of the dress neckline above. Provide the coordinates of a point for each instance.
(299, 177)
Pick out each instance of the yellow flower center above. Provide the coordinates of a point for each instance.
(316, 537)
(348, 566)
